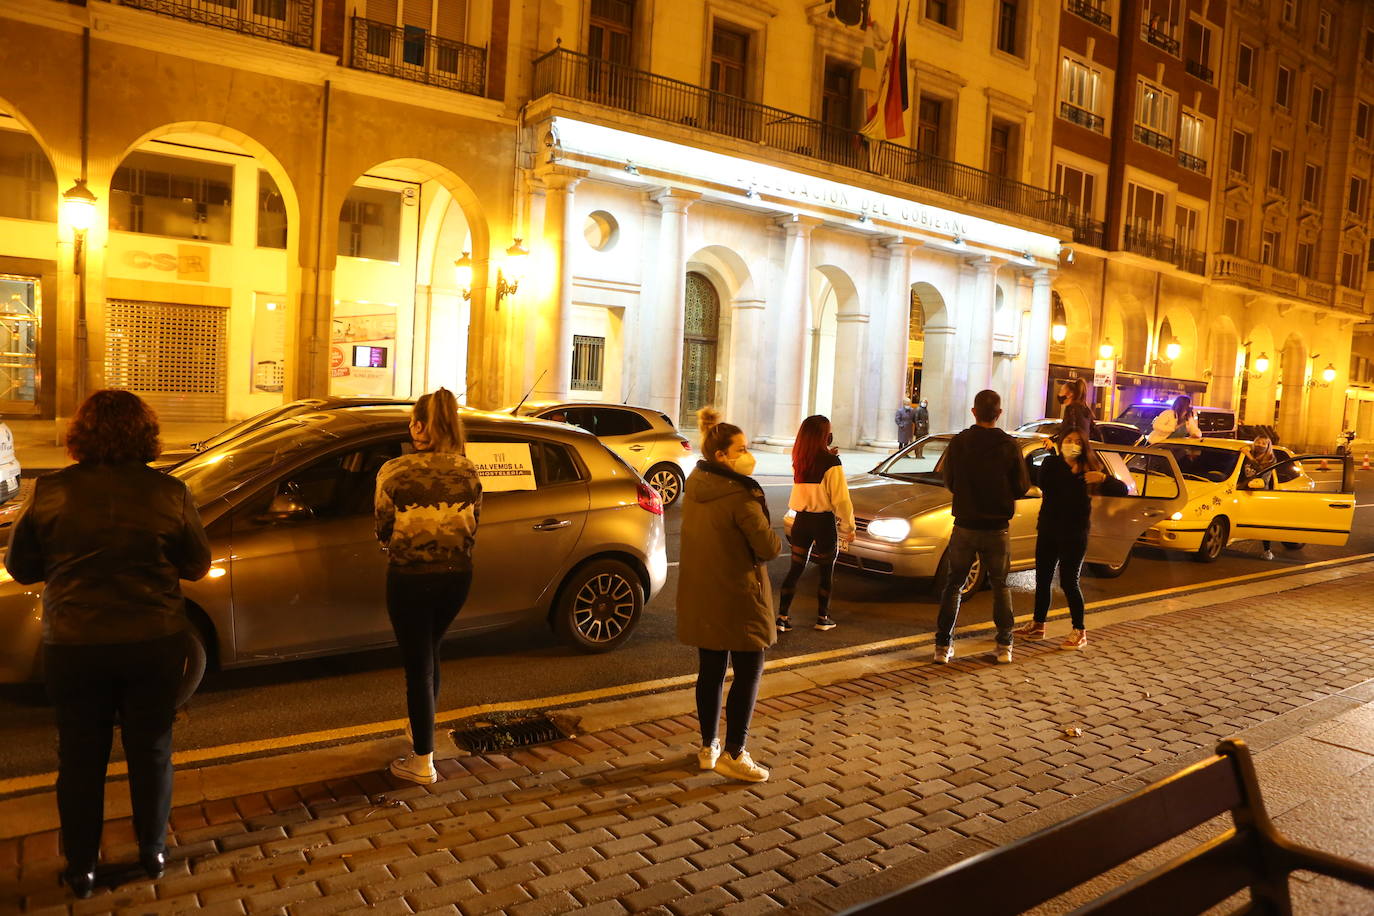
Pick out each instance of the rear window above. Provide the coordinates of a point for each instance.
(612, 422)
(1139, 414)
(1215, 422)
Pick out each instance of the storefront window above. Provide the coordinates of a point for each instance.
(271, 213)
(20, 301)
(171, 196)
(370, 224)
(28, 187)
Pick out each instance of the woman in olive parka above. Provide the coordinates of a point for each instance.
(724, 600)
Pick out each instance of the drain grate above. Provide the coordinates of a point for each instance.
(509, 735)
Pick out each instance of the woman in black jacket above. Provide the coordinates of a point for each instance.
(111, 538)
(1067, 481)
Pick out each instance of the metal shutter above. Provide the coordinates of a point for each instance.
(416, 13)
(451, 19)
(382, 11)
(172, 356)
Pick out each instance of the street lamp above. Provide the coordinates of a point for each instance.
(508, 275)
(78, 211)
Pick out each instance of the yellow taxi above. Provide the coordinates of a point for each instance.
(1227, 502)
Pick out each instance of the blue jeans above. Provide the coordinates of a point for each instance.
(994, 549)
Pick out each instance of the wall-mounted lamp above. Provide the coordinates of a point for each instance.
(1261, 365)
(1172, 350)
(1327, 377)
(1059, 332)
(1106, 351)
(508, 275)
(1066, 253)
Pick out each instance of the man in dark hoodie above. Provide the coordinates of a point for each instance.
(984, 471)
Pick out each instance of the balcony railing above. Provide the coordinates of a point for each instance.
(1159, 38)
(1086, 230)
(1352, 299)
(1153, 138)
(1189, 161)
(416, 55)
(1202, 72)
(1162, 248)
(648, 95)
(1273, 279)
(1317, 290)
(1230, 267)
(290, 22)
(1282, 282)
(1091, 11)
(1081, 116)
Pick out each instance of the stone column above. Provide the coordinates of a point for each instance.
(895, 322)
(670, 292)
(981, 317)
(794, 322)
(870, 375)
(1037, 348)
(554, 348)
(746, 340)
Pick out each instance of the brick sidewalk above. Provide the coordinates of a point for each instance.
(914, 768)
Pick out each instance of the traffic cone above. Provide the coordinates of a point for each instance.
(1364, 465)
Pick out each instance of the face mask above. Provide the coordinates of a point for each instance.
(1063, 398)
(744, 464)
(1072, 450)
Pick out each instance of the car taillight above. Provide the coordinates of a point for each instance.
(649, 500)
(686, 446)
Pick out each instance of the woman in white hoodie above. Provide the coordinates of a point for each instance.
(1177, 422)
(824, 516)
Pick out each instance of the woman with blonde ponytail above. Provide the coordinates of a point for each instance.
(724, 601)
(427, 509)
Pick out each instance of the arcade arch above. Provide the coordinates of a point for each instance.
(935, 372)
(1292, 390)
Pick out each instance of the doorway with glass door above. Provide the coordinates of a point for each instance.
(700, 347)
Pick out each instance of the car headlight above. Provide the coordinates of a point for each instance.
(1176, 517)
(889, 529)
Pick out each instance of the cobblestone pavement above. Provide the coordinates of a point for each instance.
(906, 769)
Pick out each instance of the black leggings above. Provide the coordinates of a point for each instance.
(1066, 551)
(744, 691)
(421, 607)
(813, 533)
(89, 686)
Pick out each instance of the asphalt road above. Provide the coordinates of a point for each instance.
(279, 701)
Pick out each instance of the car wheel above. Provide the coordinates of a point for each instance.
(1293, 545)
(1107, 570)
(194, 670)
(667, 480)
(1213, 540)
(599, 606)
(972, 582)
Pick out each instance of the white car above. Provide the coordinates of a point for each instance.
(9, 465)
(645, 438)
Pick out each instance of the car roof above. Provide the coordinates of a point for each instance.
(345, 419)
(1234, 445)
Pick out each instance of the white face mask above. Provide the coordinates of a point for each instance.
(743, 464)
(1072, 450)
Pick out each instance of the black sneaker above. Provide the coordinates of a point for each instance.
(825, 623)
(784, 624)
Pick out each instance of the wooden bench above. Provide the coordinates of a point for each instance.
(1038, 868)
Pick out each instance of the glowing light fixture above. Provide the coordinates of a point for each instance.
(1329, 374)
(462, 269)
(509, 274)
(1058, 332)
(1106, 351)
(1261, 364)
(78, 206)
(1172, 350)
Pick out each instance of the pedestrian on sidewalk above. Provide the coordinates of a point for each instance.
(724, 599)
(984, 471)
(427, 508)
(824, 516)
(1178, 422)
(1076, 412)
(1259, 464)
(906, 423)
(923, 419)
(1067, 481)
(111, 539)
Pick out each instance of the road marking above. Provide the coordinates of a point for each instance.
(225, 752)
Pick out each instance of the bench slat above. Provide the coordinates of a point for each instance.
(1043, 866)
(1192, 883)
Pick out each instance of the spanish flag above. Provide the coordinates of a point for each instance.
(886, 114)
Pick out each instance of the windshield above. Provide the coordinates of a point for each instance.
(1201, 463)
(253, 422)
(217, 471)
(918, 462)
(1138, 414)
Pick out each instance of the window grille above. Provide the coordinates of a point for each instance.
(588, 361)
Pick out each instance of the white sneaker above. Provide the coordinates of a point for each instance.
(943, 654)
(1267, 555)
(1004, 655)
(708, 755)
(415, 768)
(742, 768)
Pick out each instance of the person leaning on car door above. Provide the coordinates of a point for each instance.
(110, 537)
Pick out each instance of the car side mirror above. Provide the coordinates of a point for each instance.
(286, 507)
(1255, 483)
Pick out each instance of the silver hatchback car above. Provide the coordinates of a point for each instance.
(297, 571)
(644, 437)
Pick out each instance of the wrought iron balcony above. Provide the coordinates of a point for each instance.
(1189, 161)
(1082, 117)
(1202, 72)
(290, 22)
(1086, 230)
(418, 56)
(1159, 38)
(1092, 11)
(576, 76)
(1154, 139)
(1142, 240)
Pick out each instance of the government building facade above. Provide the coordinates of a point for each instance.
(673, 204)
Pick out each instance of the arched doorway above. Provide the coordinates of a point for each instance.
(700, 346)
(915, 346)
(935, 367)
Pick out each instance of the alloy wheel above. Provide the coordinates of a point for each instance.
(603, 607)
(667, 483)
